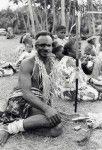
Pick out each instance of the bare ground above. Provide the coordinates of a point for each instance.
(31, 141)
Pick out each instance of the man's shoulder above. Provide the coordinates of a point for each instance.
(27, 64)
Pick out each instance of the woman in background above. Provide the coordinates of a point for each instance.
(64, 77)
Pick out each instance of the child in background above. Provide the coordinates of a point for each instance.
(24, 51)
(23, 40)
(61, 35)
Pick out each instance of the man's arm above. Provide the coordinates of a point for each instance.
(25, 84)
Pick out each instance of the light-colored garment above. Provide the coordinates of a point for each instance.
(97, 69)
(98, 48)
(64, 81)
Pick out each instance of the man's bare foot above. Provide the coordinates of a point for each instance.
(49, 132)
(56, 131)
(3, 134)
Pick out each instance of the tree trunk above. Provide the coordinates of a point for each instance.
(28, 22)
(32, 18)
(46, 16)
(25, 25)
(63, 12)
(93, 20)
(36, 13)
(68, 16)
(90, 17)
(17, 30)
(54, 16)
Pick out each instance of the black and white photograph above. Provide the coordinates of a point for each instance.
(50, 74)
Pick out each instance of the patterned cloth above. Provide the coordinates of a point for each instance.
(64, 79)
(17, 107)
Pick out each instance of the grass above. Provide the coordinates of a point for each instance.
(31, 141)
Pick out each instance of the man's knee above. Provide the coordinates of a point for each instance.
(56, 131)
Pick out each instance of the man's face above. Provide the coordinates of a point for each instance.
(44, 45)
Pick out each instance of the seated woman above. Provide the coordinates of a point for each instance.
(64, 77)
(96, 76)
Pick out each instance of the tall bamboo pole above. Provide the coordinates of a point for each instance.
(77, 55)
(32, 18)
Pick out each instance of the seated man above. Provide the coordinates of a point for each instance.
(28, 106)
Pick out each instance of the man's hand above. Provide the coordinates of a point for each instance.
(53, 116)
